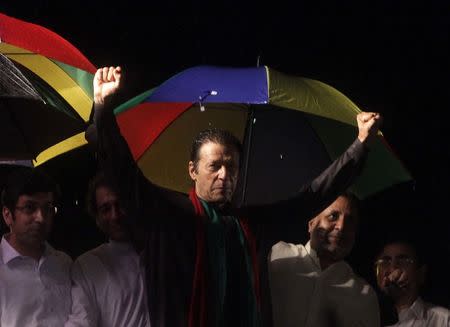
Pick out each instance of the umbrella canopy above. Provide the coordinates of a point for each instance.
(58, 71)
(28, 125)
(291, 127)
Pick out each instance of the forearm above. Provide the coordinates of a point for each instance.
(340, 174)
(115, 159)
(113, 154)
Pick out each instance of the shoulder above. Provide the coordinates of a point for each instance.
(359, 284)
(438, 311)
(285, 250)
(61, 256)
(175, 199)
(93, 254)
(91, 263)
(365, 288)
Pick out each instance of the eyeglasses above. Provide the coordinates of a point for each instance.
(31, 207)
(400, 262)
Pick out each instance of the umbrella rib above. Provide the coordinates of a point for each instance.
(19, 128)
(248, 133)
(19, 53)
(308, 122)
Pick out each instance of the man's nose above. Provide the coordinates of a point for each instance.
(39, 215)
(340, 223)
(223, 172)
(114, 212)
(117, 212)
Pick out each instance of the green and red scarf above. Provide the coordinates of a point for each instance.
(210, 266)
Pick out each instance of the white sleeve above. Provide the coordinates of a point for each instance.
(84, 307)
(372, 316)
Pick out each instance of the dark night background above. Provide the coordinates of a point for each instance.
(387, 56)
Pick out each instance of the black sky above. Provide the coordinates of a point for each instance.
(387, 56)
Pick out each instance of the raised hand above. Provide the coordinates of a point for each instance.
(106, 83)
(368, 125)
(395, 282)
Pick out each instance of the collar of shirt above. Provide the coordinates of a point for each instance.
(120, 246)
(8, 253)
(415, 311)
(335, 271)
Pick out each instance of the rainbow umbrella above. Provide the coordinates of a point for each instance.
(291, 127)
(59, 72)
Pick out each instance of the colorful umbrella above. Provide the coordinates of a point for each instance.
(50, 63)
(28, 125)
(292, 128)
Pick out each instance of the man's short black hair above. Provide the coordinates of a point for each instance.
(214, 135)
(353, 200)
(27, 181)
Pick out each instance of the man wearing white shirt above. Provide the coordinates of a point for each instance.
(34, 277)
(311, 285)
(108, 288)
(400, 274)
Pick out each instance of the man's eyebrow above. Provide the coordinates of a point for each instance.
(30, 201)
(403, 256)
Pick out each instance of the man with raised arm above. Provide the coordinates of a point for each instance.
(200, 252)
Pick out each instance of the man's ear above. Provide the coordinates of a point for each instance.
(311, 225)
(192, 171)
(7, 216)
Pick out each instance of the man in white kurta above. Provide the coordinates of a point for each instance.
(315, 287)
(108, 285)
(34, 277)
(108, 288)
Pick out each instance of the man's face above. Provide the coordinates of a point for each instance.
(397, 270)
(332, 232)
(111, 218)
(30, 221)
(216, 173)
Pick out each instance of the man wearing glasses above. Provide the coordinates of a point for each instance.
(34, 277)
(400, 274)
